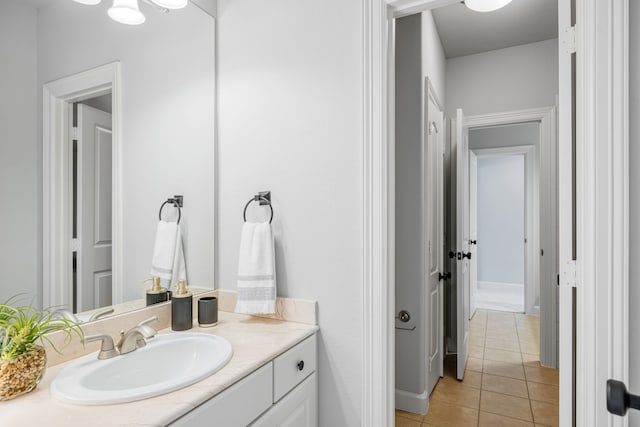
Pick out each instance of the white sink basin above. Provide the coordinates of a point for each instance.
(168, 362)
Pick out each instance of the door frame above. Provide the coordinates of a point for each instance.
(58, 97)
(532, 220)
(601, 38)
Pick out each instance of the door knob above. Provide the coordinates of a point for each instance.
(463, 255)
(619, 400)
(473, 242)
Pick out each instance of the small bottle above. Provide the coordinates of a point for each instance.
(181, 308)
(157, 293)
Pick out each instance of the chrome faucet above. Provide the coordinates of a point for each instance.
(131, 340)
(136, 337)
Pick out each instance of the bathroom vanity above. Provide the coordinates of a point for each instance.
(269, 381)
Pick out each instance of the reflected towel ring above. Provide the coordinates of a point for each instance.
(175, 203)
(262, 200)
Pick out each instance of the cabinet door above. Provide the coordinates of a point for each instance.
(236, 406)
(296, 409)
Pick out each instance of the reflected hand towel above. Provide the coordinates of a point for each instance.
(256, 270)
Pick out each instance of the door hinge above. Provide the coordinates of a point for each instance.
(74, 133)
(75, 245)
(569, 40)
(568, 274)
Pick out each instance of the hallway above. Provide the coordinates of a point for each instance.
(504, 384)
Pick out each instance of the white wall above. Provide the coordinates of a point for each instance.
(290, 121)
(501, 219)
(20, 254)
(508, 79)
(634, 204)
(168, 105)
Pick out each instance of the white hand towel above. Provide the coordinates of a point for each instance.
(256, 270)
(168, 256)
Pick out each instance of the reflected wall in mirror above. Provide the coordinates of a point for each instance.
(166, 137)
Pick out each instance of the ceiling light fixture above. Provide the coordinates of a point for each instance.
(89, 2)
(171, 4)
(126, 12)
(486, 5)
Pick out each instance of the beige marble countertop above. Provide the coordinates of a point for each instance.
(254, 340)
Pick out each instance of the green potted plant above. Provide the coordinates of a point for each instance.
(23, 330)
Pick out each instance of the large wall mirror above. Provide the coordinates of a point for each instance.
(83, 174)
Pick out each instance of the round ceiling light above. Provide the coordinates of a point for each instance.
(89, 2)
(486, 5)
(171, 4)
(126, 12)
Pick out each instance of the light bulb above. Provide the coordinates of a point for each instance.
(486, 5)
(89, 2)
(126, 12)
(171, 4)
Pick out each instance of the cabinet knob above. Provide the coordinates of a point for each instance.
(301, 365)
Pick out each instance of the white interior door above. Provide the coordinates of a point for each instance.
(473, 232)
(462, 243)
(93, 266)
(434, 209)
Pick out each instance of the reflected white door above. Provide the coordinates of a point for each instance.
(462, 242)
(473, 232)
(93, 265)
(434, 216)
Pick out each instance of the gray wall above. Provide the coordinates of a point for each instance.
(501, 219)
(634, 203)
(409, 281)
(508, 79)
(20, 253)
(290, 121)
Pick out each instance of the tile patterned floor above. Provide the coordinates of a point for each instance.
(504, 384)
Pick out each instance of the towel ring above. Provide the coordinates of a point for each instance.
(175, 204)
(261, 199)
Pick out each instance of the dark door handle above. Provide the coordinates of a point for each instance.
(446, 276)
(619, 400)
(467, 255)
(473, 242)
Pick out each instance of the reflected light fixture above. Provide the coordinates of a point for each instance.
(126, 12)
(486, 5)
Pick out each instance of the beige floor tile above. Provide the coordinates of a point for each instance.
(474, 364)
(494, 420)
(406, 422)
(543, 392)
(541, 375)
(504, 369)
(409, 415)
(545, 413)
(456, 393)
(444, 414)
(510, 406)
(500, 344)
(476, 351)
(529, 347)
(531, 359)
(476, 340)
(505, 385)
(472, 379)
(502, 355)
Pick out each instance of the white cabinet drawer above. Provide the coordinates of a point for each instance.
(292, 367)
(237, 406)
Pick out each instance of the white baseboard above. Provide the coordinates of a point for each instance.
(499, 284)
(412, 402)
(535, 311)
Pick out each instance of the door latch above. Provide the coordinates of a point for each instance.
(404, 316)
